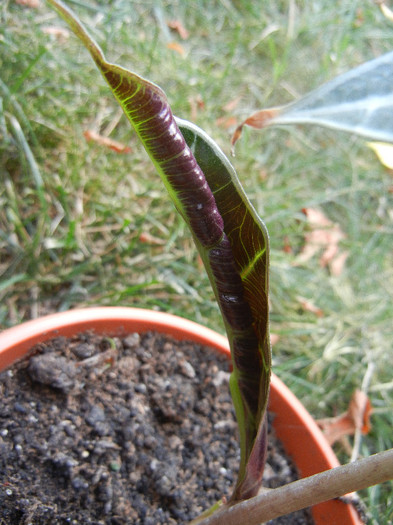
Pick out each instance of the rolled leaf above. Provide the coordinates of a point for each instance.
(229, 235)
(250, 343)
(359, 101)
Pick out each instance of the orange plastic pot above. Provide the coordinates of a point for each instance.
(294, 426)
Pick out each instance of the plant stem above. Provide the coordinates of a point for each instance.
(309, 491)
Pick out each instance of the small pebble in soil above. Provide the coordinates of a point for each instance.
(55, 371)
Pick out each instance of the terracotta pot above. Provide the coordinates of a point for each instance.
(294, 426)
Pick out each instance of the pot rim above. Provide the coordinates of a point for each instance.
(295, 427)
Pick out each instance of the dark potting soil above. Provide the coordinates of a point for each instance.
(139, 430)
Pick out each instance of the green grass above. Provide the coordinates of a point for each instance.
(72, 212)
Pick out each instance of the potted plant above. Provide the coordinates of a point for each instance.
(234, 246)
(294, 427)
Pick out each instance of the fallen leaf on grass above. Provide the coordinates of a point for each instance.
(147, 238)
(29, 3)
(287, 247)
(359, 19)
(337, 264)
(388, 13)
(357, 417)
(60, 33)
(175, 46)
(324, 235)
(176, 25)
(199, 262)
(384, 153)
(197, 104)
(226, 122)
(118, 147)
(232, 104)
(308, 306)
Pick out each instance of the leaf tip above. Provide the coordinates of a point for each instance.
(259, 120)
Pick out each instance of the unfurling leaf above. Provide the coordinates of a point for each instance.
(359, 101)
(231, 239)
(250, 344)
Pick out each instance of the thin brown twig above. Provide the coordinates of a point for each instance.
(309, 491)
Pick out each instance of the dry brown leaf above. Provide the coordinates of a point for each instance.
(226, 122)
(29, 3)
(310, 307)
(357, 417)
(231, 105)
(147, 238)
(324, 235)
(359, 19)
(287, 246)
(197, 104)
(338, 263)
(175, 46)
(200, 264)
(118, 147)
(263, 174)
(60, 33)
(177, 26)
(257, 120)
(360, 410)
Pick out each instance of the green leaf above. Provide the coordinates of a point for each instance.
(229, 235)
(359, 101)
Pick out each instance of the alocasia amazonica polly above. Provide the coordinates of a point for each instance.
(230, 237)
